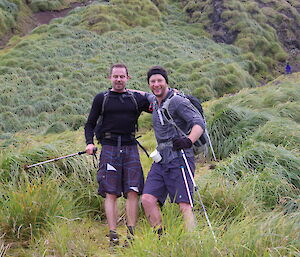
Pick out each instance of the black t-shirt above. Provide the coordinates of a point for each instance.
(119, 117)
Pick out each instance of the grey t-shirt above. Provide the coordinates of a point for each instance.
(184, 115)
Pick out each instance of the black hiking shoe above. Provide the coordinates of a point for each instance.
(113, 238)
(130, 236)
(159, 231)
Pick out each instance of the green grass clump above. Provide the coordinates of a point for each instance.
(254, 236)
(116, 16)
(287, 134)
(253, 114)
(35, 198)
(73, 237)
(27, 208)
(231, 127)
(259, 156)
(8, 14)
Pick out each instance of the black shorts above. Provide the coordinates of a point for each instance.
(120, 170)
(168, 179)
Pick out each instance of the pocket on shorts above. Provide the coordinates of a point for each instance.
(101, 173)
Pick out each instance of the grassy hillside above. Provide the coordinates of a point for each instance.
(63, 65)
(54, 209)
(221, 51)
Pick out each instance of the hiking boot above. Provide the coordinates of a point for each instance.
(113, 238)
(159, 231)
(130, 236)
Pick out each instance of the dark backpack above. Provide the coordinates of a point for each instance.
(200, 146)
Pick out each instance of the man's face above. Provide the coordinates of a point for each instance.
(118, 78)
(158, 85)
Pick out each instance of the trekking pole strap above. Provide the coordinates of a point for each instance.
(140, 145)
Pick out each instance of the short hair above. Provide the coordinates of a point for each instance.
(157, 70)
(118, 65)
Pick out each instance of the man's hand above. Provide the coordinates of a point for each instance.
(90, 149)
(181, 143)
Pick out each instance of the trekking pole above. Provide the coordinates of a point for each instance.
(196, 189)
(210, 145)
(58, 158)
(209, 141)
(186, 186)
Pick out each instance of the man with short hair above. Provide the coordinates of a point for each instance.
(166, 175)
(113, 119)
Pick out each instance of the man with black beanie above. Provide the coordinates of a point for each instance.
(166, 176)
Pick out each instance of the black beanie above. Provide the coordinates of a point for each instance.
(157, 70)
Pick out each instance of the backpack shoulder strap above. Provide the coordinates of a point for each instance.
(105, 98)
(133, 99)
(167, 115)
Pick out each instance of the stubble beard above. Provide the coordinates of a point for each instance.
(119, 87)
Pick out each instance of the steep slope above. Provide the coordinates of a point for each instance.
(50, 77)
(267, 28)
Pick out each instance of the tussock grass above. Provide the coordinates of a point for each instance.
(76, 63)
(250, 194)
(82, 237)
(119, 15)
(232, 126)
(255, 113)
(257, 157)
(64, 60)
(34, 200)
(287, 134)
(27, 208)
(253, 236)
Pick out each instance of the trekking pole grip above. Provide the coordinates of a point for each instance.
(95, 149)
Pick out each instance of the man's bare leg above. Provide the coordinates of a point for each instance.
(152, 210)
(132, 208)
(111, 211)
(188, 216)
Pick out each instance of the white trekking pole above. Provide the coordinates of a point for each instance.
(209, 141)
(210, 145)
(186, 186)
(196, 189)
